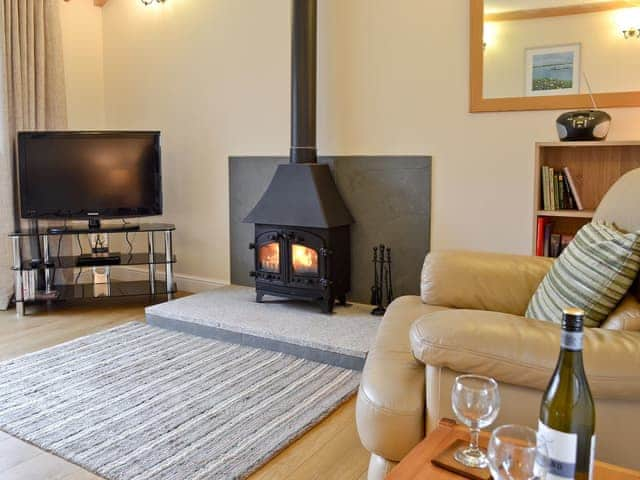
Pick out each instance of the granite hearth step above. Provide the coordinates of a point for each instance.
(298, 328)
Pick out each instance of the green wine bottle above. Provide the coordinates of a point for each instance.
(567, 414)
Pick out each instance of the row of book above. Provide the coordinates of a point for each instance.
(559, 190)
(549, 244)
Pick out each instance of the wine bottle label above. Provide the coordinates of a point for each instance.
(562, 449)
(571, 340)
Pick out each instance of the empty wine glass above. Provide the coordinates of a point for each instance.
(517, 453)
(476, 403)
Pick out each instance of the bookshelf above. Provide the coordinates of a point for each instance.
(594, 166)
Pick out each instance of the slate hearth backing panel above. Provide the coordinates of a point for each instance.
(389, 197)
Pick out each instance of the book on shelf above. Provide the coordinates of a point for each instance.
(545, 188)
(552, 197)
(573, 189)
(571, 205)
(548, 229)
(549, 188)
(564, 241)
(558, 190)
(555, 245)
(548, 243)
(540, 236)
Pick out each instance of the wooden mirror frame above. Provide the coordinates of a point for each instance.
(477, 102)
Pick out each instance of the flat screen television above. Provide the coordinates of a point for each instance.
(89, 175)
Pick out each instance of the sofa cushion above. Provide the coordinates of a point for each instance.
(390, 411)
(626, 316)
(482, 281)
(524, 352)
(593, 273)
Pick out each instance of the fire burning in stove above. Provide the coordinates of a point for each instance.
(304, 259)
(269, 257)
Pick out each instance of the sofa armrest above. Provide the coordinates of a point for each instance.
(524, 352)
(482, 281)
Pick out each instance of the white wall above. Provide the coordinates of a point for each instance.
(214, 77)
(83, 63)
(611, 62)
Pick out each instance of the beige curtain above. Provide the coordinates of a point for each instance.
(32, 96)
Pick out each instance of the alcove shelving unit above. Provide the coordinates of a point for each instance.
(594, 166)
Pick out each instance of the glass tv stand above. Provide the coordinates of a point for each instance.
(27, 269)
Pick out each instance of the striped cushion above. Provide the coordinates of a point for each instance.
(594, 272)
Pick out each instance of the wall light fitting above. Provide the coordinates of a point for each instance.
(631, 33)
(149, 2)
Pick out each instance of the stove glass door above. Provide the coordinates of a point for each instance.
(269, 257)
(304, 260)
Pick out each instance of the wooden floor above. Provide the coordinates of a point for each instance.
(331, 450)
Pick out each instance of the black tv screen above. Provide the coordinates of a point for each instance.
(80, 175)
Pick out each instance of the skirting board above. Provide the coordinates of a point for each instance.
(186, 283)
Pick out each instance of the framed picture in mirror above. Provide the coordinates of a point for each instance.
(552, 70)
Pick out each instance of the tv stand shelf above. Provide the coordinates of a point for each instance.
(126, 259)
(113, 289)
(78, 291)
(106, 228)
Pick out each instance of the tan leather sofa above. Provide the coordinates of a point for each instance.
(469, 319)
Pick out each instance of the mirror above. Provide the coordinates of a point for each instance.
(547, 54)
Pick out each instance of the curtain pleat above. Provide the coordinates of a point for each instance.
(32, 96)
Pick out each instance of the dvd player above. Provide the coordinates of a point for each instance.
(98, 260)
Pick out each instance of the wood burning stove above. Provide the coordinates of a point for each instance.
(302, 239)
(302, 263)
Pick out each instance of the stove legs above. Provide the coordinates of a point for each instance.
(326, 304)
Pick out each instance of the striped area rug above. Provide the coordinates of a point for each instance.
(139, 403)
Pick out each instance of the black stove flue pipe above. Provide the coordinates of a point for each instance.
(304, 46)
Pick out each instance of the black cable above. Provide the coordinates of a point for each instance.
(79, 244)
(81, 253)
(59, 244)
(57, 259)
(126, 237)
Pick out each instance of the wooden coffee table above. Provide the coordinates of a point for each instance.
(417, 464)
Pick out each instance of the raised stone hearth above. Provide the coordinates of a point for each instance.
(231, 314)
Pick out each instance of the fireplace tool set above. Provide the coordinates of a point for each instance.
(382, 285)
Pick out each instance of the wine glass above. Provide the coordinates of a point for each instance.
(476, 403)
(517, 453)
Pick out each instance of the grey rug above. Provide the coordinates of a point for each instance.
(298, 328)
(139, 402)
